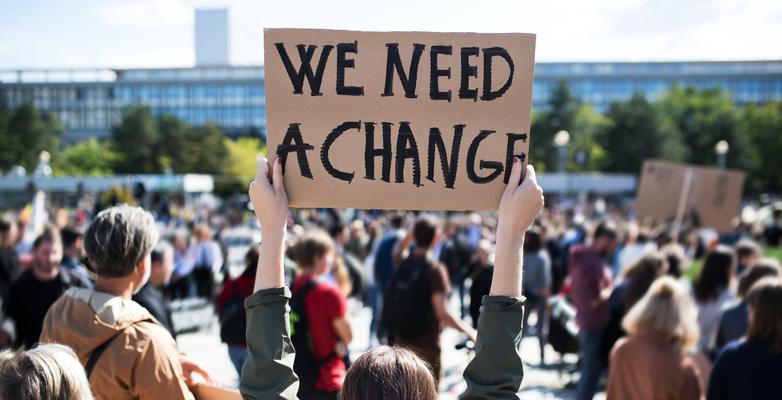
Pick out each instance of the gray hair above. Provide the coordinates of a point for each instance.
(119, 239)
(49, 371)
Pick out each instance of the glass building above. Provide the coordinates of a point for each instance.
(89, 102)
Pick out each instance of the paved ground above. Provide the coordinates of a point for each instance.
(539, 382)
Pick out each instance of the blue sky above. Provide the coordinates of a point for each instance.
(159, 33)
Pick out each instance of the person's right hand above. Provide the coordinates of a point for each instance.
(268, 197)
(521, 202)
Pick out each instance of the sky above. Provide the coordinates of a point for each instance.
(160, 33)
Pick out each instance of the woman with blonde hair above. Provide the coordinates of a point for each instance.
(49, 371)
(652, 362)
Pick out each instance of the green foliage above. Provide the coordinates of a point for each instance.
(242, 157)
(763, 126)
(560, 115)
(24, 133)
(89, 157)
(205, 152)
(136, 140)
(173, 139)
(634, 133)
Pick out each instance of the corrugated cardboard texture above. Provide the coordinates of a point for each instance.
(319, 115)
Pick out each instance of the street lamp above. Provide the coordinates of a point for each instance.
(561, 140)
(721, 149)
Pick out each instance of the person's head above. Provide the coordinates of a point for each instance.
(389, 373)
(202, 233)
(640, 277)
(605, 238)
(716, 274)
(162, 263)
(765, 268)
(119, 244)
(425, 232)
(747, 253)
(676, 259)
(665, 312)
(483, 253)
(533, 240)
(339, 232)
(72, 242)
(314, 252)
(47, 250)
(49, 371)
(8, 234)
(765, 321)
(397, 221)
(251, 261)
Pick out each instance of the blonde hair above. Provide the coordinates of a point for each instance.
(49, 371)
(667, 312)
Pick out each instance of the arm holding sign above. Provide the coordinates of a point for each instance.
(496, 371)
(268, 371)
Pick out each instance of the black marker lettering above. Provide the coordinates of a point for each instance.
(324, 151)
(468, 71)
(293, 142)
(370, 152)
(488, 55)
(449, 168)
(471, 154)
(435, 73)
(305, 69)
(342, 63)
(408, 79)
(406, 147)
(510, 150)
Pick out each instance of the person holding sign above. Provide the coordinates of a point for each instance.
(495, 372)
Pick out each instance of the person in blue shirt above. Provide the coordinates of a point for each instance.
(751, 368)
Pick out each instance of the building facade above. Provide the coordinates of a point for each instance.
(89, 102)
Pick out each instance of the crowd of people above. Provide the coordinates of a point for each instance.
(662, 311)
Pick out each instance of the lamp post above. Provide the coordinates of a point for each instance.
(721, 149)
(561, 140)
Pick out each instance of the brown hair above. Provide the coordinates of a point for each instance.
(766, 323)
(639, 277)
(767, 267)
(315, 243)
(387, 373)
(6, 241)
(50, 234)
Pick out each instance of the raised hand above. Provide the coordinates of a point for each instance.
(270, 202)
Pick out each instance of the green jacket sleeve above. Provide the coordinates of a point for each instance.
(496, 370)
(268, 370)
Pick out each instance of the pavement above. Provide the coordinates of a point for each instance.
(551, 381)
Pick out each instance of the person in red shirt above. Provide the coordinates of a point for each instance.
(326, 308)
(230, 307)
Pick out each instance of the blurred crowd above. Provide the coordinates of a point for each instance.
(653, 310)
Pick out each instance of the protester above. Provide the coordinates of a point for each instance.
(537, 285)
(415, 307)
(207, 260)
(73, 253)
(773, 230)
(652, 363)
(383, 266)
(125, 351)
(712, 290)
(230, 308)
(590, 279)
(751, 368)
(9, 270)
(734, 317)
(481, 275)
(321, 307)
(633, 286)
(747, 254)
(637, 245)
(150, 296)
(39, 287)
(47, 372)
(350, 276)
(494, 373)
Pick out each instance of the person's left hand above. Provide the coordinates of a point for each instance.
(190, 366)
(268, 197)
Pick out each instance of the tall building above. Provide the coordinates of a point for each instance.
(211, 37)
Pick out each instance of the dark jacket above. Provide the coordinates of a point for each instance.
(495, 372)
(746, 369)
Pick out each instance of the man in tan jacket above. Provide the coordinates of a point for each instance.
(127, 354)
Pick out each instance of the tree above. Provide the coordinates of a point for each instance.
(205, 152)
(135, 139)
(25, 133)
(172, 141)
(560, 115)
(703, 118)
(762, 124)
(635, 133)
(242, 160)
(89, 157)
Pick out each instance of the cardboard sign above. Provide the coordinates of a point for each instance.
(397, 120)
(710, 196)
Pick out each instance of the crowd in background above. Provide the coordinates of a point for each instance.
(662, 311)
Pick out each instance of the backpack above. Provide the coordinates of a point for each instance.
(233, 320)
(407, 305)
(305, 365)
